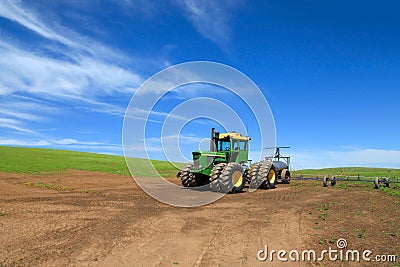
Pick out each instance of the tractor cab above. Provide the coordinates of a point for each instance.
(224, 148)
(233, 144)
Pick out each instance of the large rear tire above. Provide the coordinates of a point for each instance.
(253, 175)
(232, 178)
(267, 174)
(215, 175)
(188, 178)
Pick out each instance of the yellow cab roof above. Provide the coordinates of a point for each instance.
(234, 135)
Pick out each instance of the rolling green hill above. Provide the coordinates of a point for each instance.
(38, 160)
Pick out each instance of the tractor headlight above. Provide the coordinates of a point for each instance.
(200, 167)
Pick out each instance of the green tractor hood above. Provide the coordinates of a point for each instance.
(203, 160)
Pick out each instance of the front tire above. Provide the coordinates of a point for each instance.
(232, 178)
(188, 178)
(215, 175)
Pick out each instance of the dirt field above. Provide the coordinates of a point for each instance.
(100, 219)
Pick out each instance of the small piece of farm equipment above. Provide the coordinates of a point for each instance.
(379, 181)
(281, 164)
(226, 167)
(332, 180)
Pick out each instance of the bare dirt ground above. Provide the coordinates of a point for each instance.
(106, 220)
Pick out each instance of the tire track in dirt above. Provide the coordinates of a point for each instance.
(218, 236)
(207, 247)
(161, 240)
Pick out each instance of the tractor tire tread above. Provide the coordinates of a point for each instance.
(187, 179)
(225, 180)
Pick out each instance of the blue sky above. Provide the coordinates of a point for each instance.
(330, 70)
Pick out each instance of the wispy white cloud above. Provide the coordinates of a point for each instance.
(77, 65)
(14, 125)
(24, 71)
(37, 78)
(13, 142)
(70, 141)
(13, 10)
(18, 12)
(192, 90)
(21, 115)
(144, 115)
(66, 143)
(210, 18)
(182, 138)
(161, 114)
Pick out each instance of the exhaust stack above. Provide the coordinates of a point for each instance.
(212, 145)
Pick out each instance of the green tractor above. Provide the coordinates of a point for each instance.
(226, 166)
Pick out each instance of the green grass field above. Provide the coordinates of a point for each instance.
(38, 160)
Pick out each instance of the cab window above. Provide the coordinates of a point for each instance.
(243, 145)
(235, 144)
(224, 146)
